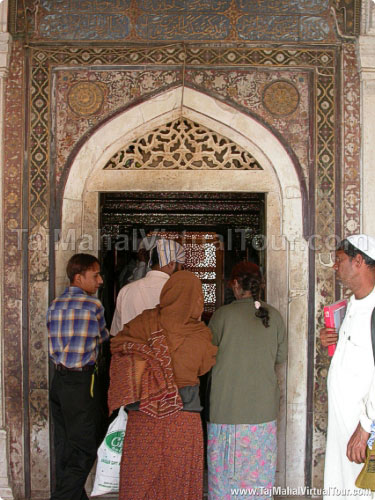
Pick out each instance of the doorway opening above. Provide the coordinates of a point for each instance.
(216, 229)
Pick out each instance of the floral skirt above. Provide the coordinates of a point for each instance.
(241, 461)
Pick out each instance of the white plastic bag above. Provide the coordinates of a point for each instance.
(109, 457)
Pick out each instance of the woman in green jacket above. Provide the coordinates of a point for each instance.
(244, 398)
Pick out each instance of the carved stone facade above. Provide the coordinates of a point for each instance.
(89, 118)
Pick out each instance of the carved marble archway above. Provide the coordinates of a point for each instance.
(287, 259)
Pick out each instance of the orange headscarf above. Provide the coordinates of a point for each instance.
(178, 317)
(181, 307)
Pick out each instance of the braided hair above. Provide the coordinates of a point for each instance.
(249, 278)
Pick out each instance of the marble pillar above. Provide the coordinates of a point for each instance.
(366, 53)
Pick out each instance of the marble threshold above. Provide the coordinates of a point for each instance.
(276, 497)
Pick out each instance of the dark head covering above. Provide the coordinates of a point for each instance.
(245, 267)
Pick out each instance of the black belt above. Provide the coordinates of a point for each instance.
(86, 368)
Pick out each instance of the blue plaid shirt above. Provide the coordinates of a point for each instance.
(76, 327)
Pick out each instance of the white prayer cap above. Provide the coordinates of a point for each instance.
(169, 251)
(364, 243)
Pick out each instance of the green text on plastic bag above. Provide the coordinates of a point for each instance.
(114, 441)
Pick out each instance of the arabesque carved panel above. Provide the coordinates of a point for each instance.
(185, 145)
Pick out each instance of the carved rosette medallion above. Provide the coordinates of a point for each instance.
(85, 98)
(280, 98)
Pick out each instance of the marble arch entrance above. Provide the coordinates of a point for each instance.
(286, 251)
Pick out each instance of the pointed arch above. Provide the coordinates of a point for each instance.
(286, 208)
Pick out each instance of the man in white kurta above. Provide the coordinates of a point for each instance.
(351, 372)
(144, 293)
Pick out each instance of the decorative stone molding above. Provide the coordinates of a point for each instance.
(5, 45)
(368, 17)
(3, 16)
(5, 491)
(366, 53)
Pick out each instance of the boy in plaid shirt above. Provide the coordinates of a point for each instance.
(76, 327)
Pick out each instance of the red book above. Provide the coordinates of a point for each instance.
(333, 317)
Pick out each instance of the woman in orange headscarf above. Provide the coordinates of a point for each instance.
(156, 361)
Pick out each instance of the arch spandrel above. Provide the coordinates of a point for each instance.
(244, 130)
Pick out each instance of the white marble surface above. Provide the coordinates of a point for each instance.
(366, 59)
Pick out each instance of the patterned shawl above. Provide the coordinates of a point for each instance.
(173, 343)
(143, 372)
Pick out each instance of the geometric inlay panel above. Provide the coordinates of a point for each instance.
(182, 144)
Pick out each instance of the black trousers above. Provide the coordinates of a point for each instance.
(77, 419)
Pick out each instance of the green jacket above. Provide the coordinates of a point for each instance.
(244, 388)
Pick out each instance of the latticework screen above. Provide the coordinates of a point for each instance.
(203, 257)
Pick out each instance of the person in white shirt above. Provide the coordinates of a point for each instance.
(142, 265)
(166, 257)
(352, 373)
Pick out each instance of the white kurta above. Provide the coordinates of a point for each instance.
(136, 297)
(350, 377)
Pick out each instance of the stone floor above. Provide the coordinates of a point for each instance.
(115, 497)
(277, 497)
(90, 483)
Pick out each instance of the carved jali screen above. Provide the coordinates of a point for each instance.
(182, 144)
(204, 258)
